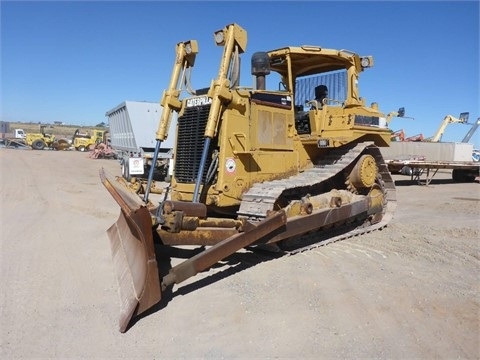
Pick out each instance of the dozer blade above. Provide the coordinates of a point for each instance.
(133, 253)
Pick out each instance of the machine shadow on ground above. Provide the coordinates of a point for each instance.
(231, 265)
(409, 182)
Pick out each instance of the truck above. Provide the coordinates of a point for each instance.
(11, 138)
(19, 134)
(6, 132)
(132, 126)
(288, 164)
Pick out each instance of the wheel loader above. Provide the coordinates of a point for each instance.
(42, 140)
(83, 141)
(280, 167)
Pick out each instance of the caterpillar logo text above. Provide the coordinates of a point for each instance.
(199, 101)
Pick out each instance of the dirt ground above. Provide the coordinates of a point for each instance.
(408, 291)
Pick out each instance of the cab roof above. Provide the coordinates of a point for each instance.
(310, 60)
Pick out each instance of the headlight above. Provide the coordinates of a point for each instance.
(366, 61)
(321, 143)
(219, 37)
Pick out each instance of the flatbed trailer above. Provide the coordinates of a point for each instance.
(14, 143)
(462, 171)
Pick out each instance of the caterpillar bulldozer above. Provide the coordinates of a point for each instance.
(285, 169)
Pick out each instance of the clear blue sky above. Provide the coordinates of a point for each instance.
(73, 61)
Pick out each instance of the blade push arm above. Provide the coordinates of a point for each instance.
(234, 40)
(184, 59)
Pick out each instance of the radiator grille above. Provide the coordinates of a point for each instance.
(190, 141)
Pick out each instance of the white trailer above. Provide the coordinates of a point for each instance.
(133, 125)
(416, 158)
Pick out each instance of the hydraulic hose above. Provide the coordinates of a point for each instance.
(198, 181)
(152, 168)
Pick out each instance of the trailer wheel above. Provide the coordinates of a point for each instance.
(38, 144)
(457, 175)
(462, 176)
(406, 170)
(81, 148)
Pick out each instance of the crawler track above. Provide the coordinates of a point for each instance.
(265, 196)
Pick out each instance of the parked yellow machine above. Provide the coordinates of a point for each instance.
(288, 168)
(42, 140)
(83, 141)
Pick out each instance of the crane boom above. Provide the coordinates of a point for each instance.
(449, 119)
(470, 132)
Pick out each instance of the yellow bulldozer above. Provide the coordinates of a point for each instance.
(284, 167)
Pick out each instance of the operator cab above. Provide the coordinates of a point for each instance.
(323, 87)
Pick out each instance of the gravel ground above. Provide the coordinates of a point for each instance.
(410, 290)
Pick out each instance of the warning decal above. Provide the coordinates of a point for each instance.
(230, 165)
